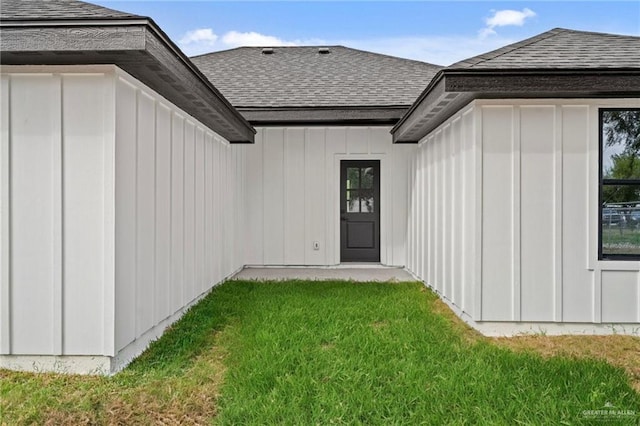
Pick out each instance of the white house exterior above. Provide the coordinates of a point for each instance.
(130, 186)
(504, 214)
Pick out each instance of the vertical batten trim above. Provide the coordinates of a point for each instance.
(478, 150)
(557, 225)
(516, 214)
(109, 229)
(135, 214)
(593, 158)
(5, 218)
(597, 296)
(154, 278)
(57, 182)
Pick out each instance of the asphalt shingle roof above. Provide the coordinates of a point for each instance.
(42, 10)
(302, 77)
(561, 49)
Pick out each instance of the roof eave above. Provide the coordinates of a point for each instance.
(454, 88)
(138, 46)
(324, 115)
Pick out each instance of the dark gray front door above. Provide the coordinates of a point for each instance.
(359, 211)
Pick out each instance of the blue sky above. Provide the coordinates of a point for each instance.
(439, 32)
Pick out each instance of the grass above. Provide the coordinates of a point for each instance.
(327, 353)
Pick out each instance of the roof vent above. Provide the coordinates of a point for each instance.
(323, 50)
(267, 51)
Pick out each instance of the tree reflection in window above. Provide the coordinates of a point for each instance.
(359, 190)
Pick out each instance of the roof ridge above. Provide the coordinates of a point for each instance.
(316, 46)
(475, 60)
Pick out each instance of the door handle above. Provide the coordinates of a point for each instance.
(344, 218)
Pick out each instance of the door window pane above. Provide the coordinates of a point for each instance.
(366, 201)
(353, 202)
(367, 177)
(353, 177)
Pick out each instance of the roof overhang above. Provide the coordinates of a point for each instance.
(139, 47)
(335, 115)
(451, 89)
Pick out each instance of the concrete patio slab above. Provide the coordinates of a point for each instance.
(355, 272)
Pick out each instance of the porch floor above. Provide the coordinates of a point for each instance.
(353, 272)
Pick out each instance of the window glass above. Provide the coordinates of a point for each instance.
(620, 144)
(620, 227)
(620, 183)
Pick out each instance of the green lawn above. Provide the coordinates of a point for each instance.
(308, 353)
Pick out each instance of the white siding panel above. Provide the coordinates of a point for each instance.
(218, 246)
(469, 240)
(576, 278)
(379, 141)
(5, 226)
(163, 212)
(432, 205)
(254, 205)
(177, 213)
(399, 213)
(315, 201)
(537, 195)
(335, 145)
(83, 206)
(457, 224)
(209, 237)
(357, 140)
(199, 212)
(125, 165)
(620, 296)
(145, 209)
(273, 196)
(35, 134)
(295, 196)
(497, 220)
(189, 212)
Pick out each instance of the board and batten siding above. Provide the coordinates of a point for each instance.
(117, 210)
(178, 194)
(523, 249)
(293, 181)
(56, 241)
(443, 207)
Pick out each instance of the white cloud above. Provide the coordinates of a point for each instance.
(440, 50)
(205, 40)
(503, 18)
(235, 39)
(201, 36)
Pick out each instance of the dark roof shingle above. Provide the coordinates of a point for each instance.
(20, 10)
(561, 49)
(303, 77)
